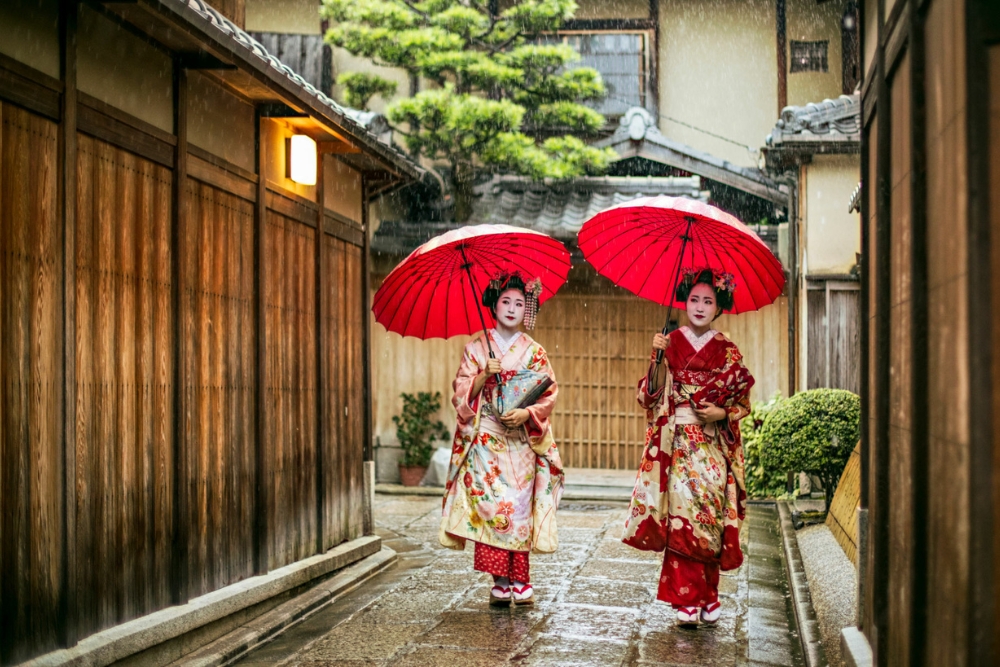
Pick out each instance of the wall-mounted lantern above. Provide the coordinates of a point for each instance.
(300, 159)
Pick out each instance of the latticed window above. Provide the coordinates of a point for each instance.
(622, 58)
(809, 56)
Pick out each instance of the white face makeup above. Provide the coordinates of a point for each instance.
(510, 309)
(701, 306)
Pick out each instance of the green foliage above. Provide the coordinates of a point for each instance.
(359, 88)
(813, 432)
(499, 100)
(761, 481)
(415, 429)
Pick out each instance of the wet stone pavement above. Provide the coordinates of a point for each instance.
(594, 604)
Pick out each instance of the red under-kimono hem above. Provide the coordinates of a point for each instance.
(502, 563)
(685, 582)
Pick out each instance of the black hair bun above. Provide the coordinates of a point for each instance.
(500, 285)
(723, 297)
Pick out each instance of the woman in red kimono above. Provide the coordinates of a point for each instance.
(689, 497)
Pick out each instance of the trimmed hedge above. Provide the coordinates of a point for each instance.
(814, 432)
(761, 481)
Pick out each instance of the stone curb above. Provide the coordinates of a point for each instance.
(147, 632)
(798, 584)
(262, 629)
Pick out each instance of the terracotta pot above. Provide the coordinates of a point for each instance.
(411, 475)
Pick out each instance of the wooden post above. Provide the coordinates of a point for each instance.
(919, 346)
(68, 14)
(782, 30)
(982, 21)
(322, 414)
(181, 515)
(262, 495)
(368, 484)
(366, 325)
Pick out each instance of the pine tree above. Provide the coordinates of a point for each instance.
(500, 98)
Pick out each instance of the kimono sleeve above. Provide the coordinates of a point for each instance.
(541, 410)
(466, 405)
(730, 387)
(653, 400)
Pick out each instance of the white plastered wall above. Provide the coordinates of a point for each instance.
(809, 21)
(120, 69)
(297, 17)
(29, 33)
(718, 72)
(219, 122)
(829, 236)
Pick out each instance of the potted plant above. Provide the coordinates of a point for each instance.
(417, 432)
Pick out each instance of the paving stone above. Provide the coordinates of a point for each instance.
(616, 549)
(556, 651)
(485, 630)
(364, 641)
(579, 621)
(594, 604)
(608, 593)
(592, 520)
(424, 656)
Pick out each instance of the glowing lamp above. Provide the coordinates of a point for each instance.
(300, 154)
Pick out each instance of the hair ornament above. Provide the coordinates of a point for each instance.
(532, 293)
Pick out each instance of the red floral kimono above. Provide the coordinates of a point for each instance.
(689, 496)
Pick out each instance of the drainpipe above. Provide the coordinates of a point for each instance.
(791, 180)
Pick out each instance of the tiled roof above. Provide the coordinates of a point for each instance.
(556, 208)
(638, 136)
(560, 208)
(342, 116)
(836, 120)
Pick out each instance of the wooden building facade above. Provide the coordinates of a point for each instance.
(183, 329)
(929, 526)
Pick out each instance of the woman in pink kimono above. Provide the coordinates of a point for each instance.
(505, 477)
(689, 497)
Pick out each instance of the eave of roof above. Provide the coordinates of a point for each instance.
(816, 124)
(638, 136)
(180, 25)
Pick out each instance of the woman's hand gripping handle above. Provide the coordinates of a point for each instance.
(657, 375)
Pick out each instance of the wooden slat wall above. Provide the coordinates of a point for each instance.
(598, 346)
(291, 308)
(344, 403)
(219, 323)
(845, 340)
(124, 393)
(30, 305)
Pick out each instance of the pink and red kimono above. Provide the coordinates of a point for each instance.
(689, 497)
(503, 484)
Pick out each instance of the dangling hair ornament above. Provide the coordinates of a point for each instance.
(532, 293)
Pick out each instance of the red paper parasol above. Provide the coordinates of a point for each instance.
(643, 245)
(436, 292)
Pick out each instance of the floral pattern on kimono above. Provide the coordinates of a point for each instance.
(689, 497)
(503, 484)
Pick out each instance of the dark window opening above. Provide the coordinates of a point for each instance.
(809, 57)
(622, 58)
